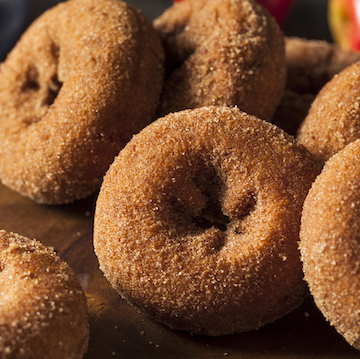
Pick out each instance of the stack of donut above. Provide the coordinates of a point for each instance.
(310, 64)
(322, 98)
(329, 127)
(329, 236)
(172, 238)
(83, 78)
(198, 217)
(189, 227)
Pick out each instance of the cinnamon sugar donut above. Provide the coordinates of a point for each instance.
(333, 120)
(197, 221)
(43, 310)
(221, 53)
(84, 77)
(310, 64)
(330, 246)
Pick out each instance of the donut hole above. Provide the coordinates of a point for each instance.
(209, 212)
(203, 202)
(54, 84)
(48, 90)
(32, 85)
(54, 87)
(31, 82)
(213, 213)
(211, 216)
(195, 204)
(246, 206)
(210, 185)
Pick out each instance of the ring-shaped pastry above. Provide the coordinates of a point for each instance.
(221, 53)
(197, 221)
(83, 78)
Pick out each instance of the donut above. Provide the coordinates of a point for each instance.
(83, 78)
(197, 221)
(310, 64)
(333, 118)
(221, 52)
(329, 242)
(43, 311)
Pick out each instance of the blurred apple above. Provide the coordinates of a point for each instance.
(278, 8)
(344, 23)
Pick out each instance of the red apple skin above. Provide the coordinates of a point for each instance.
(278, 8)
(344, 23)
(355, 28)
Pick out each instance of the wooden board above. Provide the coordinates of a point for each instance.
(119, 331)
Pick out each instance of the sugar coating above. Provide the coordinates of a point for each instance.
(329, 244)
(221, 53)
(197, 221)
(84, 77)
(43, 310)
(333, 118)
(310, 64)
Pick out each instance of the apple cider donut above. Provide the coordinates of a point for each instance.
(329, 242)
(333, 120)
(310, 64)
(84, 77)
(221, 52)
(43, 310)
(197, 221)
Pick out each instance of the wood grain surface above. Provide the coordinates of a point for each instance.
(118, 331)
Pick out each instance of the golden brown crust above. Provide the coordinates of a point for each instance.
(197, 221)
(83, 78)
(310, 64)
(221, 53)
(330, 240)
(43, 311)
(333, 120)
